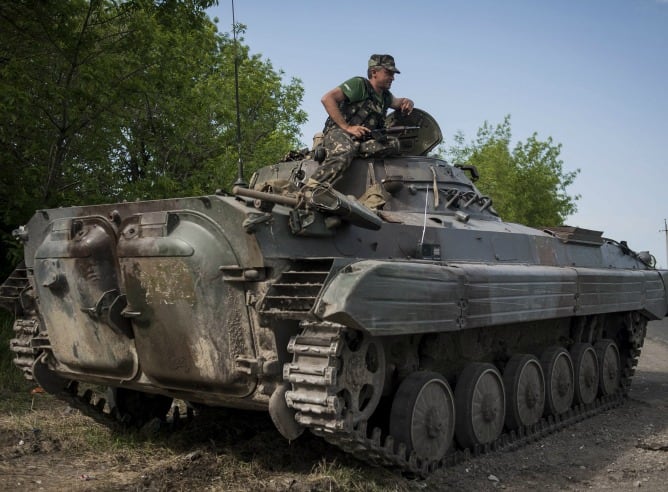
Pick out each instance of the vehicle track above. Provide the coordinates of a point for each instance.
(318, 408)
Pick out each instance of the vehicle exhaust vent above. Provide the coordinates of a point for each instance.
(12, 289)
(293, 295)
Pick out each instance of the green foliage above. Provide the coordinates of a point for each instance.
(105, 101)
(528, 183)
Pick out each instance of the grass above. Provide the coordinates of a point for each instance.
(348, 478)
(218, 450)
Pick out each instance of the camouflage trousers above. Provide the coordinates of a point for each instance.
(342, 149)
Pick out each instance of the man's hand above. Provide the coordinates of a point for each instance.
(357, 131)
(406, 106)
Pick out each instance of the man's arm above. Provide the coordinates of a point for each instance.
(402, 104)
(331, 101)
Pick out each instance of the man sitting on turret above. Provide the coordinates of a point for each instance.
(356, 107)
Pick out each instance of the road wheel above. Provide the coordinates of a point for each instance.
(586, 373)
(558, 370)
(423, 415)
(525, 391)
(480, 405)
(609, 366)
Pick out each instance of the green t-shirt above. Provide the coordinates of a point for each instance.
(355, 90)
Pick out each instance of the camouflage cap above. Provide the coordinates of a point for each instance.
(385, 61)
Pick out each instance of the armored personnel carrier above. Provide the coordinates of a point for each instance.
(395, 314)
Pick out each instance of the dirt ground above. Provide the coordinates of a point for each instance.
(49, 447)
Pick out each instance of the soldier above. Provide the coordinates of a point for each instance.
(356, 107)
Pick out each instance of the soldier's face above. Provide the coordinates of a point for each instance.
(385, 78)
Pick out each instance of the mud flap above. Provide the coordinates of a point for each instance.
(283, 416)
(48, 379)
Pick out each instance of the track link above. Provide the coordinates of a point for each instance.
(30, 343)
(313, 374)
(86, 401)
(26, 332)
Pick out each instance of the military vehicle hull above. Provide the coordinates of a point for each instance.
(400, 334)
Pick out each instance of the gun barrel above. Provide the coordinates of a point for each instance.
(269, 197)
(400, 129)
(382, 133)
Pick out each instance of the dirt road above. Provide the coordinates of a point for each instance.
(51, 448)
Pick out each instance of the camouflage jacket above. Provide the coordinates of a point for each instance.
(368, 111)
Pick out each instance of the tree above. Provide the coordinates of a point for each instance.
(527, 184)
(104, 101)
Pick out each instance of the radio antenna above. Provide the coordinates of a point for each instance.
(240, 165)
(665, 229)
